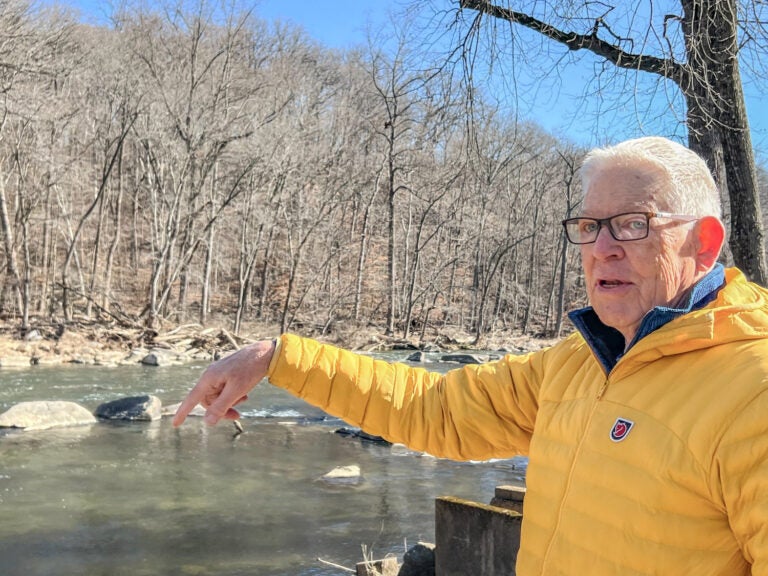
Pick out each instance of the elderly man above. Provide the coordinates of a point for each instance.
(646, 429)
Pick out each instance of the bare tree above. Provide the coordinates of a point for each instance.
(113, 152)
(29, 42)
(569, 169)
(398, 83)
(204, 89)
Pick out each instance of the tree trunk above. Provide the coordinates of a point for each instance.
(248, 253)
(718, 128)
(95, 256)
(117, 221)
(205, 299)
(293, 273)
(391, 266)
(27, 276)
(264, 279)
(48, 254)
(363, 249)
(11, 267)
(560, 300)
(247, 261)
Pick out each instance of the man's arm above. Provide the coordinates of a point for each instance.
(471, 413)
(475, 412)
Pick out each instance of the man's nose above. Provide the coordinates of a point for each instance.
(605, 244)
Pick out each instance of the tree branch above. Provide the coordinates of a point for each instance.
(666, 67)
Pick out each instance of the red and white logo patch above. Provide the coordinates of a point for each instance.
(621, 429)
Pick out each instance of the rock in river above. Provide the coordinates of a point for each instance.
(465, 358)
(343, 475)
(41, 415)
(133, 408)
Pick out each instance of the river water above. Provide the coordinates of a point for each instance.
(147, 499)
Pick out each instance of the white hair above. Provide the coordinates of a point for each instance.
(690, 188)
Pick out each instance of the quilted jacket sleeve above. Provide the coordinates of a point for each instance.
(471, 413)
(741, 469)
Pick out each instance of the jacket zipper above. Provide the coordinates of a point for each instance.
(576, 456)
(601, 392)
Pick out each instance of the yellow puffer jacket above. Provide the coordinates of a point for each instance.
(660, 467)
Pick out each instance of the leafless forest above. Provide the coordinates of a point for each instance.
(181, 166)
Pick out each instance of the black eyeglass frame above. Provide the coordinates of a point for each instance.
(607, 223)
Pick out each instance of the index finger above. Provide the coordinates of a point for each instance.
(194, 398)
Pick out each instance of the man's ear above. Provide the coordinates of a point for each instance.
(710, 236)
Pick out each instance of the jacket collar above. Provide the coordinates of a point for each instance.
(608, 344)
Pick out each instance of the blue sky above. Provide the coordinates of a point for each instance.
(343, 23)
(335, 23)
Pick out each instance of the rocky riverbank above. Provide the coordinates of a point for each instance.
(99, 344)
(104, 345)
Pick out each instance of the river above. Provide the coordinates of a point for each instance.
(147, 499)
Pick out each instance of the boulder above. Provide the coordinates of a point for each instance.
(419, 356)
(464, 358)
(362, 435)
(343, 475)
(41, 415)
(419, 560)
(162, 357)
(143, 408)
(33, 336)
(402, 345)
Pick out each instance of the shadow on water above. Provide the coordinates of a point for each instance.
(145, 498)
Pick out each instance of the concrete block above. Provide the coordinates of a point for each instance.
(509, 497)
(473, 538)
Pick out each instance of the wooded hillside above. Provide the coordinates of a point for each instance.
(177, 165)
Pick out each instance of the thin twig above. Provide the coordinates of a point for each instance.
(337, 566)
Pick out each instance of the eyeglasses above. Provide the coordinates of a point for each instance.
(623, 227)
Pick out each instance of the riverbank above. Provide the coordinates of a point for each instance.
(88, 342)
